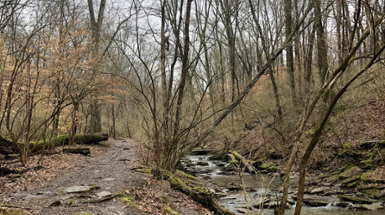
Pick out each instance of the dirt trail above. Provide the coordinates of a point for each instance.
(111, 172)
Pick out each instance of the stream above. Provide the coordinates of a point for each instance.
(261, 190)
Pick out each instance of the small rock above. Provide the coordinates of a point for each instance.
(104, 194)
(372, 207)
(202, 163)
(318, 190)
(241, 210)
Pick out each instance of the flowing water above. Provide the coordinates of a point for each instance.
(259, 188)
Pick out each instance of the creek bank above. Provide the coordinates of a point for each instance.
(345, 188)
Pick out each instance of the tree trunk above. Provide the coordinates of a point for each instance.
(321, 42)
(289, 49)
(96, 25)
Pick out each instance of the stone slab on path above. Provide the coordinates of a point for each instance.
(78, 189)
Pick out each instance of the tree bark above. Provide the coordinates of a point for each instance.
(289, 49)
(321, 42)
(96, 25)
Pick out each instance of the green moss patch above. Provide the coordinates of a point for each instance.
(332, 179)
(350, 172)
(374, 176)
(351, 182)
(324, 175)
(185, 175)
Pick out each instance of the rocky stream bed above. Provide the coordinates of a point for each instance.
(345, 192)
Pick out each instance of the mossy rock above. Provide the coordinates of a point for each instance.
(350, 172)
(332, 179)
(355, 199)
(372, 143)
(324, 175)
(374, 176)
(368, 164)
(348, 150)
(372, 192)
(351, 182)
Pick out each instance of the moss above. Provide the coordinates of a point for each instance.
(368, 164)
(270, 167)
(353, 184)
(332, 179)
(186, 175)
(232, 158)
(94, 187)
(147, 170)
(351, 181)
(350, 172)
(372, 192)
(171, 211)
(346, 166)
(374, 176)
(130, 200)
(266, 165)
(323, 175)
(73, 202)
(348, 150)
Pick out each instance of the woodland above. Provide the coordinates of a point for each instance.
(297, 83)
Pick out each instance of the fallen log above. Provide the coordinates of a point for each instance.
(197, 193)
(242, 159)
(8, 147)
(82, 151)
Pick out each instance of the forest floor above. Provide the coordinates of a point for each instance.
(107, 182)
